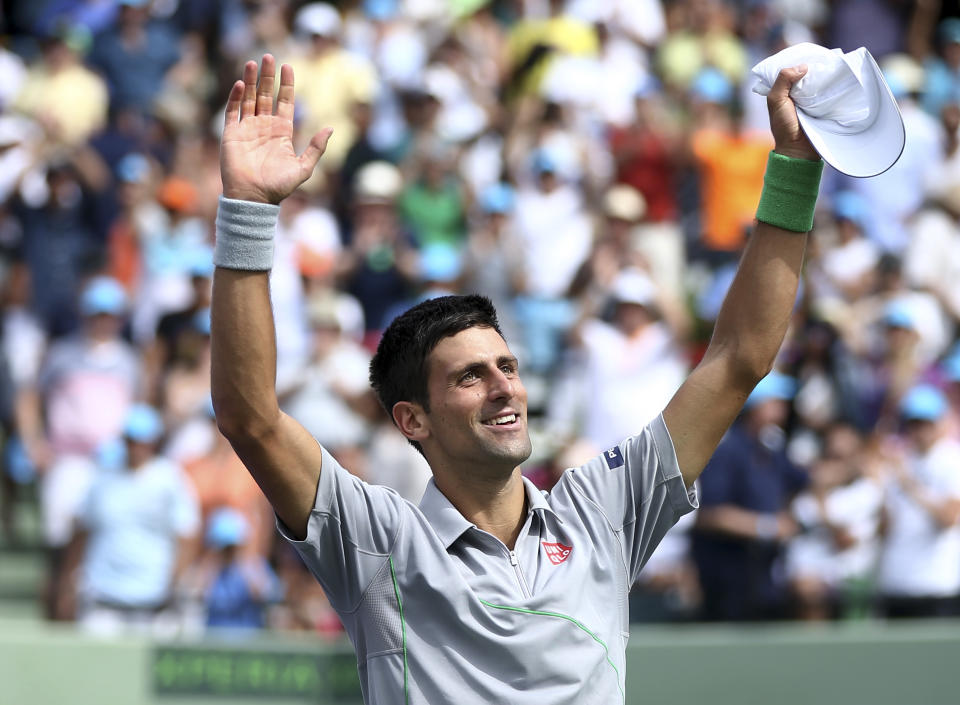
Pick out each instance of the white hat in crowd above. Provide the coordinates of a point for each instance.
(624, 203)
(377, 181)
(318, 19)
(632, 286)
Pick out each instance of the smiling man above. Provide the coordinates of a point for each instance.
(489, 591)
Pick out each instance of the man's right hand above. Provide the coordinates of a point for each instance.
(257, 158)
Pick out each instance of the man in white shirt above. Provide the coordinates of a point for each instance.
(920, 567)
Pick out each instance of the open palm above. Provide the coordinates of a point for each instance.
(257, 158)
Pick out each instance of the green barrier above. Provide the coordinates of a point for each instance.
(218, 671)
(871, 663)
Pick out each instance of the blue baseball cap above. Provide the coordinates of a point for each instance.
(951, 367)
(898, 315)
(850, 205)
(949, 30)
(440, 262)
(381, 10)
(103, 295)
(143, 424)
(712, 86)
(133, 169)
(227, 527)
(543, 162)
(201, 262)
(924, 402)
(201, 321)
(497, 198)
(648, 86)
(775, 385)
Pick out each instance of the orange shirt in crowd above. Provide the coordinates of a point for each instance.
(731, 170)
(221, 480)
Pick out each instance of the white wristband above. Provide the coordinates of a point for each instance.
(245, 233)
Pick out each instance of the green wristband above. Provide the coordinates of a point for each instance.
(790, 188)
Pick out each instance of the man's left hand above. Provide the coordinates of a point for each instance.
(789, 138)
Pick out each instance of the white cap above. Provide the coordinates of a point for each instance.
(377, 182)
(624, 202)
(632, 286)
(844, 105)
(318, 18)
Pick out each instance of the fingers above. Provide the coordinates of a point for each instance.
(311, 155)
(268, 72)
(785, 80)
(232, 113)
(285, 99)
(248, 106)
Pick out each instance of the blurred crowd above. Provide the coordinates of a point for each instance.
(592, 167)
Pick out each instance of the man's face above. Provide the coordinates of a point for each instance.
(138, 453)
(103, 326)
(770, 412)
(473, 383)
(922, 434)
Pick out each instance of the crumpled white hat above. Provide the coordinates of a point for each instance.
(844, 105)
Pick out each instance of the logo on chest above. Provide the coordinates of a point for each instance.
(556, 552)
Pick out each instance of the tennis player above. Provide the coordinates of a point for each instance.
(488, 591)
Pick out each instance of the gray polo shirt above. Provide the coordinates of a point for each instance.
(442, 612)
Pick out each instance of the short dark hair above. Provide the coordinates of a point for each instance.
(398, 370)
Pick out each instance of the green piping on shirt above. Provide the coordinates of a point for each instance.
(403, 631)
(570, 619)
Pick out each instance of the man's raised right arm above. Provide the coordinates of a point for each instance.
(259, 168)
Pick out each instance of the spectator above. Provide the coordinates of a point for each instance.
(490, 262)
(744, 521)
(220, 481)
(186, 384)
(84, 389)
(23, 343)
(377, 268)
(730, 163)
(134, 55)
(60, 244)
(554, 233)
(933, 233)
(171, 244)
(361, 152)
(331, 79)
(334, 398)
(63, 95)
(920, 564)
(898, 193)
(614, 247)
(238, 587)
(942, 70)
(834, 557)
(631, 365)
(534, 42)
(646, 152)
(177, 325)
(849, 263)
(432, 206)
(703, 38)
(138, 523)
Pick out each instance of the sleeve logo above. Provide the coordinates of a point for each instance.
(556, 552)
(613, 457)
